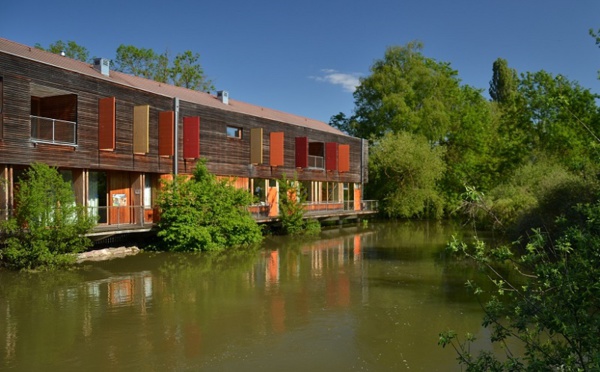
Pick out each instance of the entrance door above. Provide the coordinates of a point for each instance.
(120, 198)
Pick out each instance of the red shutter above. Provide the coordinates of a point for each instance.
(301, 152)
(331, 156)
(107, 123)
(344, 158)
(276, 149)
(191, 137)
(166, 133)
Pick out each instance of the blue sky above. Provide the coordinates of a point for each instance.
(304, 57)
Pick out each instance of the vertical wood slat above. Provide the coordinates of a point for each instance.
(276, 149)
(191, 137)
(256, 146)
(107, 123)
(141, 129)
(331, 156)
(166, 133)
(344, 158)
(301, 152)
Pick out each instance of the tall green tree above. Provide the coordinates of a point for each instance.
(504, 83)
(407, 91)
(562, 118)
(404, 170)
(70, 48)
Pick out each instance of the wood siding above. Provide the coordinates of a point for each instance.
(225, 156)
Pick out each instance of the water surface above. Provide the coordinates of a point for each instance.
(358, 298)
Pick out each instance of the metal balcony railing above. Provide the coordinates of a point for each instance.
(53, 131)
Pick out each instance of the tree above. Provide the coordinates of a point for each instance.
(406, 92)
(138, 62)
(185, 69)
(47, 227)
(203, 213)
(503, 86)
(562, 118)
(552, 309)
(596, 36)
(187, 72)
(404, 171)
(70, 48)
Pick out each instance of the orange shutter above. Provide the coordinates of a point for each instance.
(166, 133)
(344, 158)
(107, 122)
(276, 149)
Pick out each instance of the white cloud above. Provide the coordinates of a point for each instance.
(348, 82)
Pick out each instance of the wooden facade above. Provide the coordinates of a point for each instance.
(114, 136)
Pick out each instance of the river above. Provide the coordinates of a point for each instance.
(369, 298)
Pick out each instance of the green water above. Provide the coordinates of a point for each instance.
(358, 298)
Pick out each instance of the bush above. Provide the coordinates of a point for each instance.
(202, 214)
(554, 309)
(47, 227)
(291, 209)
(535, 196)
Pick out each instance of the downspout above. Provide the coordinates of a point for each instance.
(176, 137)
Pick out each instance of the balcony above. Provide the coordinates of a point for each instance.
(53, 131)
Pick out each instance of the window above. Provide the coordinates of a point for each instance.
(234, 132)
(53, 116)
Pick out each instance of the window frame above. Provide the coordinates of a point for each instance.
(233, 132)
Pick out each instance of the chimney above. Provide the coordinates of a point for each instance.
(223, 96)
(102, 65)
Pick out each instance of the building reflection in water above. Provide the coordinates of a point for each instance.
(185, 299)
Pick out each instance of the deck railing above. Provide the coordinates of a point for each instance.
(316, 162)
(53, 131)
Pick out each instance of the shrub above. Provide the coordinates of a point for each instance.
(47, 227)
(202, 214)
(554, 308)
(291, 209)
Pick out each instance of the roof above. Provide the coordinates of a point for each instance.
(184, 94)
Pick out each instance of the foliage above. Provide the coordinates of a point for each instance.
(553, 310)
(47, 226)
(187, 72)
(203, 213)
(291, 209)
(184, 70)
(406, 92)
(503, 86)
(70, 48)
(404, 170)
(562, 118)
(534, 196)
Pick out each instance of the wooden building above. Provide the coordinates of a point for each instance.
(114, 136)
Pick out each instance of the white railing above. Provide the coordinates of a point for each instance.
(316, 162)
(116, 216)
(53, 131)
